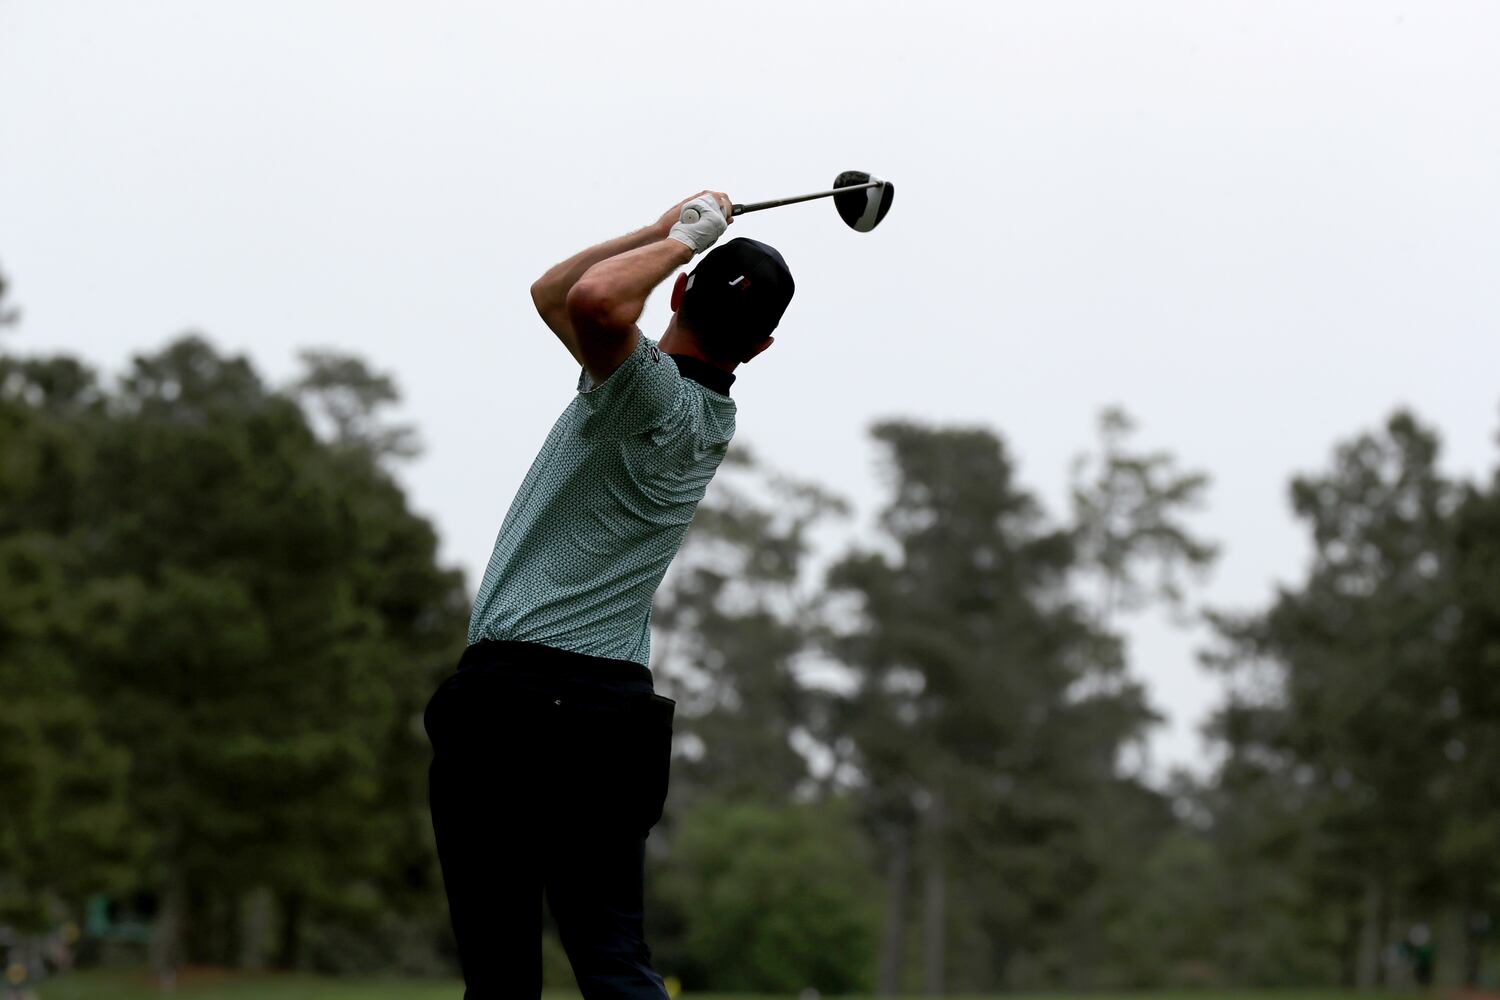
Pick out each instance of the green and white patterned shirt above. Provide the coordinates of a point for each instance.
(605, 506)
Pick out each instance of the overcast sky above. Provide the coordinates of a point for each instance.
(1258, 226)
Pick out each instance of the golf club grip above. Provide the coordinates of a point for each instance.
(690, 215)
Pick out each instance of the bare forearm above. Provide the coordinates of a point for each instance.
(550, 291)
(614, 291)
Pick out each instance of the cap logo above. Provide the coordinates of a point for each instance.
(736, 281)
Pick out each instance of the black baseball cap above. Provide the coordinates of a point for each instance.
(737, 293)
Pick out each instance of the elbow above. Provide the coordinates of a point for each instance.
(592, 305)
(544, 295)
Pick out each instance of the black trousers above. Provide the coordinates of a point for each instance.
(549, 769)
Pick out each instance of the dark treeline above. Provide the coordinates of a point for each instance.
(909, 764)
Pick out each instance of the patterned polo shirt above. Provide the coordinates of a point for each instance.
(605, 506)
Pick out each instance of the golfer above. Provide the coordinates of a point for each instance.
(550, 747)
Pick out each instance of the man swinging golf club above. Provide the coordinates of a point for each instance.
(550, 747)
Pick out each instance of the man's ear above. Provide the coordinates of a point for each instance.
(678, 287)
(757, 349)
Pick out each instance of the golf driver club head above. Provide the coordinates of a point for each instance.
(864, 209)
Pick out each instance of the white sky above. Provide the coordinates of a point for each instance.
(1260, 226)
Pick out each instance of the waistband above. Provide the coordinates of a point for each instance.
(538, 658)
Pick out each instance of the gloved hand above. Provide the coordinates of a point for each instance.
(701, 222)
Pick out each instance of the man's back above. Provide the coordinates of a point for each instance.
(605, 506)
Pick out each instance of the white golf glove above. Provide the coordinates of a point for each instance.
(699, 224)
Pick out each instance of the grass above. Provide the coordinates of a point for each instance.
(208, 985)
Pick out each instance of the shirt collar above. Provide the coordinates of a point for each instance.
(705, 374)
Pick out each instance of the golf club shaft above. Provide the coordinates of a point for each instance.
(757, 206)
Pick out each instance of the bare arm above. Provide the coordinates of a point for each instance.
(604, 304)
(550, 292)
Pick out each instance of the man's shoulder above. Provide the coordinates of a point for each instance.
(646, 351)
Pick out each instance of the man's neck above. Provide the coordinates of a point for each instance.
(694, 363)
(705, 373)
(676, 342)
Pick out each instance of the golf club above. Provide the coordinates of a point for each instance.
(861, 199)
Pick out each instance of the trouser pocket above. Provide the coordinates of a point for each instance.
(616, 763)
(435, 717)
(655, 742)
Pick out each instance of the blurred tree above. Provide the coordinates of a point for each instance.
(734, 621)
(341, 391)
(778, 898)
(1339, 716)
(63, 827)
(1271, 924)
(1127, 513)
(423, 613)
(9, 314)
(1164, 932)
(1468, 787)
(258, 621)
(978, 749)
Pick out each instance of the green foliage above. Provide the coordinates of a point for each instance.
(1167, 931)
(775, 898)
(63, 822)
(1360, 694)
(734, 621)
(219, 623)
(986, 723)
(1129, 512)
(214, 985)
(220, 630)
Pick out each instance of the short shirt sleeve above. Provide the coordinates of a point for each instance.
(644, 393)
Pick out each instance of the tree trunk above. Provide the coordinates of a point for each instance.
(1473, 953)
(1370, 938)
(289, 954)
(1382, 934)
(229, 942)
(203, 932)
(256, 927)
(1349, 950)
(190, 934)
(894, 945)
(934, 903)
(166, 936)
(1234, 947)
